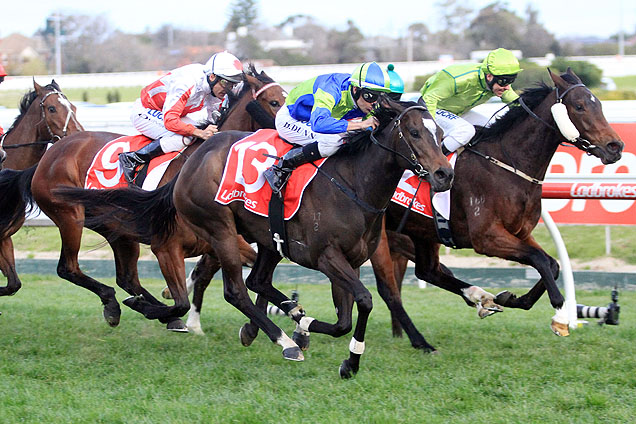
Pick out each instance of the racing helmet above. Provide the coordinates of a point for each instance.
(225, 65)
(3, 73)
(501, 62)
(371, 76)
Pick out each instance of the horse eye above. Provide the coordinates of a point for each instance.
(414, 133)
(579, 108)
(51, 109)
(274, 103)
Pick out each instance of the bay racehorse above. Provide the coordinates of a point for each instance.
(46, 115)
(335, 229)
(495, 207)
(66, 164)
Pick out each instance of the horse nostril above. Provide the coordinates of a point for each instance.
(615, 146)
(445, 175)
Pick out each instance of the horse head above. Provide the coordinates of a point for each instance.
(416, 139)
(581, 121)
(58, 113)
(260, 96)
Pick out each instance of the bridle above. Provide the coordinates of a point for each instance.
(579, 142)
(261, 90)
(54, 137)
(70, 114)
(416, 166)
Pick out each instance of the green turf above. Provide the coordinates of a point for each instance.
(62, 363)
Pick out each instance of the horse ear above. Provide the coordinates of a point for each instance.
(571, 72)
(558, 81)
(38, 88)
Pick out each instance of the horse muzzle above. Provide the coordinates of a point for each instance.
(441, 179)
(610, 152)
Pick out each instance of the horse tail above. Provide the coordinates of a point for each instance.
(126, 212)
(17, 199)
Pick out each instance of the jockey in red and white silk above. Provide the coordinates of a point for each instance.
(161, 113)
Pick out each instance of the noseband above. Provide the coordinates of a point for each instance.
(69, 115)
(418, 169)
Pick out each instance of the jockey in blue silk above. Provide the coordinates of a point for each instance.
(397, 83)
(319, 111)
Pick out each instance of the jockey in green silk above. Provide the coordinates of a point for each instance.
(456, 89)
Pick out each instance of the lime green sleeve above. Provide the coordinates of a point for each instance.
(441, 87)
(509, 96)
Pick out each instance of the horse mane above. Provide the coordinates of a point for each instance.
(359, 140)
(28, 99)
(532, 97)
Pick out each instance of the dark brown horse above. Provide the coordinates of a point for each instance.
(45, 117)
(66, 164)
(333, 231)
(495, 209)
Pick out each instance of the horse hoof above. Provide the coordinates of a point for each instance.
(345, 370)
(246, 336)
(195, 330)
(504, 297)
(302, 340)
(112, 313)
(165, 293)
(293, 354)
(177, 326)
(560, 329)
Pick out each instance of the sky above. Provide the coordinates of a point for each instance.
(372, 17)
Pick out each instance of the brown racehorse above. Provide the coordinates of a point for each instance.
(66, 164)
(494, 210)
(334, 231)
(45, 117)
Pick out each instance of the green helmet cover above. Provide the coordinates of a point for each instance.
(500, 62)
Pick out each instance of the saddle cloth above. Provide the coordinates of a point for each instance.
(422, 204)
(243, 174)
(105, 171)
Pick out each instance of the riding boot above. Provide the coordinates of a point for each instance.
(278, 174)
(129, 161)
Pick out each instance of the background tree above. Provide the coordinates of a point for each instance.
(495, 26)
(346, 46)
(537, 40)
(243, 13)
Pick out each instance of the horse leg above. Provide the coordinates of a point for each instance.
(70, 224)
(389, 290)
(7, 266)
(528, 252)
(430, 269)
(335, 266)
(198, 282)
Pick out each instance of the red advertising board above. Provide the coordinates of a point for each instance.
(582, 208)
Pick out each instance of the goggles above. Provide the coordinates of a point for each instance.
(369, 96)
(226, 84)
(504, 80)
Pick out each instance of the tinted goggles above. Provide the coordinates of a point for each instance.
(504, 80)
(370, 96)
(228, 85)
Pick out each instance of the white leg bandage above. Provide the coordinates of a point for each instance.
(356, 346)
(305, 322)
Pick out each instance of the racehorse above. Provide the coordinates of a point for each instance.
(494, 206)
(334, 231)
(26, 141)
(66, 164)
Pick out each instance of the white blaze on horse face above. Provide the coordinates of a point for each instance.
(432, 128)
(69, 112)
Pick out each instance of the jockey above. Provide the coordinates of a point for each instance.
(3, 74)
(397, 84)
(161, 112)
(318, 111)
(456, 89)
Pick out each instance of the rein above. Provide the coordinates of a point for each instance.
(419, 169)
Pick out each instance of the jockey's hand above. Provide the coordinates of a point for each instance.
(206, 133)
(371, 122)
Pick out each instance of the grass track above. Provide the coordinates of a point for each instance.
(62, 363)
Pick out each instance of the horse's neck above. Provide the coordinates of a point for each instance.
(26, 131)
(531, 144)
(238, 118)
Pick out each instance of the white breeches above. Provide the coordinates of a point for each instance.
(150, 123)
(299, 132)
